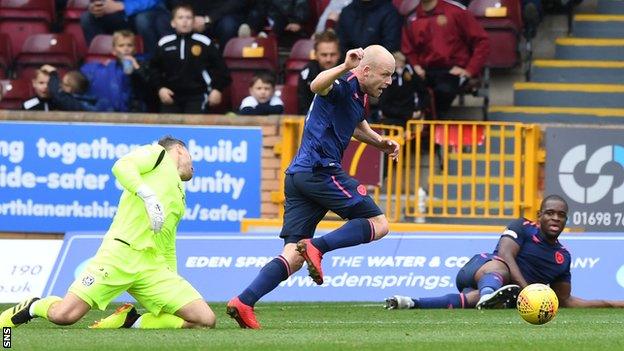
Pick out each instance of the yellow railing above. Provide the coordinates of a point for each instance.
(387, 192)
(471, 169)
(464, 169)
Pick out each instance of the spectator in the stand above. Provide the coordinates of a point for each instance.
(329, 17)
(121, 81)
(148, 18)
(187, 69)
(327, 54)
(398, 102)
(262, 100)
(70, 93)
(41, 100)
(447, 47)
(368, 22)
(280, 15)
(218, 19)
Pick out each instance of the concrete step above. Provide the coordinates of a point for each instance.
(600, 49)
(598, 26)
(539, 114)
(569, 94)
(613, 7)
(577, 71)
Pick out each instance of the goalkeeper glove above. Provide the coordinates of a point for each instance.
(154, 208)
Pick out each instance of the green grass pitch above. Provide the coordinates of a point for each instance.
(346, 326)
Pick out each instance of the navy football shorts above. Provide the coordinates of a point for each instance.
(465, 276)
(310, 195)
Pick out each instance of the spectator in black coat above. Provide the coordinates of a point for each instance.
(368, 22)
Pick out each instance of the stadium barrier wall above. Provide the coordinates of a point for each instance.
(220, 265)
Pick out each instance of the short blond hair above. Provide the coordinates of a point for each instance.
(124, 33)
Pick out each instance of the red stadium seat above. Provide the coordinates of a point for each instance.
(251, 54)
(301, 53)
(71, 23)
(14, 93)
(244, 57)
(502, 20)
(20, 30)
(22, 18)
(6, 57)
(288, 94)
(101, 48)
(58, 50)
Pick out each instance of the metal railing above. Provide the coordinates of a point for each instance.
(445, 169)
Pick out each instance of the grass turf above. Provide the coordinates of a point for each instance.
(346, 326)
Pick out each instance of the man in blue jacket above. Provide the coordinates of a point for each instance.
(148, 18)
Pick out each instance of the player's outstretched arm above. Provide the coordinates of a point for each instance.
(508, 250)
(563, 289)
(128, 171)
(364, 133)
(322, 84)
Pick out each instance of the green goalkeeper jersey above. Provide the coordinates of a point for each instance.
(149, 165)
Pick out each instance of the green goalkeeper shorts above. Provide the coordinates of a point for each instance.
(143, 274)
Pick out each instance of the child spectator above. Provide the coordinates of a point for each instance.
(41, 100)
(398, 101)
(121, 83)
(187, 69)
(69, 94)
(262, 100)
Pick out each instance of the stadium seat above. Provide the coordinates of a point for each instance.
(502, 20)
(14, 92)
(6, 56)
(22, 18)
(288, 94)
(244, 57)
(301, 53)
(71, 23)
(101, 48)
(58, 50)
(452, 135)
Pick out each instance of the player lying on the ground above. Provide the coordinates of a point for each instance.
(137, 253)
(527, 253)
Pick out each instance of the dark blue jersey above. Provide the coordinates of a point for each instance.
(539, 261)
(329, 125)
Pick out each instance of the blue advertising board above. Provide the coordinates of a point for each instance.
(55, 177)
(425, 264)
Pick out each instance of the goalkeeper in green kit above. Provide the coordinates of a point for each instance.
(137, 253)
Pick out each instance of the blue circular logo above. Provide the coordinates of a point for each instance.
(619, 276)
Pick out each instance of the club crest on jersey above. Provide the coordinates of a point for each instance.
(88, 280)
(559, 258)
(441, 20)
(361, 189)
(196, 50)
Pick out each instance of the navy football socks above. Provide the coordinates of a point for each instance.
(268, 279)
(354, 232)
(489, 282)
(446, 301)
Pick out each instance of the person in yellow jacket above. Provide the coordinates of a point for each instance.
(137, 253)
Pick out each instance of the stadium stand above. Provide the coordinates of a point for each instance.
(300, 54)
(58, 50)
(6, 57)
(584, 83)
(14, 93)
(23, 18)
(244, 56)
(71, 23)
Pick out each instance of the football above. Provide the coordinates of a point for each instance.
(537, 304)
